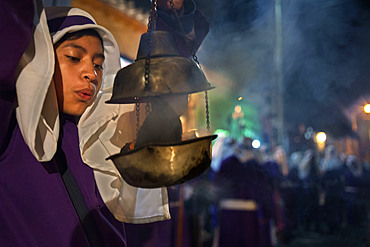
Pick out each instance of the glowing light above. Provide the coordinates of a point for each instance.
(240, 98)
(222, 132)
(321, 137)
(238, 113)
(256, 144)
(367, 108)
(172, 158)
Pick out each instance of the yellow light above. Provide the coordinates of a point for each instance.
(238, 113)
(367, 108)
(240, 98)
(320, 137)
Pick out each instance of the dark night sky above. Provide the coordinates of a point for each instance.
(326, 54)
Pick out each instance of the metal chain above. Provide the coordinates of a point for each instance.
(207, 111)
(147, 67)
(137, 109)
(153, 15)
(147, 108)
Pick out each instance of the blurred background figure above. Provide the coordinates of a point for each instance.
(281, 160)
(354, 192)
(331, 160)
(308, 196)
(245, 200)
(332, 184)
(293, 164)
(283, 182)
(222, 148)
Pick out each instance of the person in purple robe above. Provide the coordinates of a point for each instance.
(57, 71)
(246, 206)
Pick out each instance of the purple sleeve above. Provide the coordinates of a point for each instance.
(15, 31)
(191, 18)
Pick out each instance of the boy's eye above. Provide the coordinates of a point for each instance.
(98, 67)
(73, 59)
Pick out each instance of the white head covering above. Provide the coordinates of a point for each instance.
(103, 128)
(331, 160)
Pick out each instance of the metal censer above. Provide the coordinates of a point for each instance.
(161, 79)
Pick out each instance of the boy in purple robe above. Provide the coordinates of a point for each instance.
(57, 70)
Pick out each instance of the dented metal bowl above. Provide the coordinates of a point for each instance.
(155, 166)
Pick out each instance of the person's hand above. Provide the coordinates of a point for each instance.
(165, 4)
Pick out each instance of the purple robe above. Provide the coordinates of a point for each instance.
(164, 233)
(35, 208)
(246, 182)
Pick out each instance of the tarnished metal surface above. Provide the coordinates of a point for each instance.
(160, 71)
(156, 44)
(169, 72)
(160, 166)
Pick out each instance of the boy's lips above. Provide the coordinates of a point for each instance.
(85, 94)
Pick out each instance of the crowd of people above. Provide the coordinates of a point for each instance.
(250, 197)
(321, 192)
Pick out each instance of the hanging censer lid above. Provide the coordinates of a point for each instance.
(160, 157)
(169, 72)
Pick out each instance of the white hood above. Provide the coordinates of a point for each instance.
(103, 128)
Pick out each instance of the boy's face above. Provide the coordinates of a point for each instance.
(78, 73)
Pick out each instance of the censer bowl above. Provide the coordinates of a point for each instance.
(155, 166)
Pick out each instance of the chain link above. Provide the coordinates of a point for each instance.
(153, 15)
(207, 111)
(137, 109)
(147, 68)
(147, 108)
(151, 26)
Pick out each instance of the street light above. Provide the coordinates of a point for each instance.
(256, 144)
(367, 108)
(320, 139)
